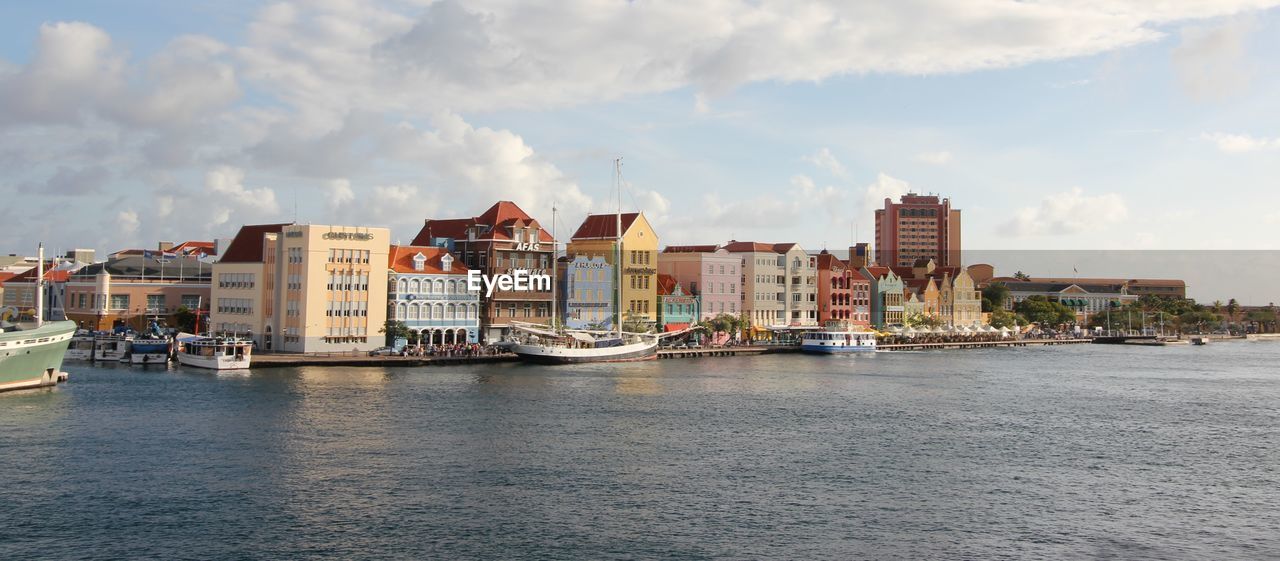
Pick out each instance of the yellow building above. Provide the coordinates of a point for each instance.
(597, 236)
(966, 308)
(304, 288)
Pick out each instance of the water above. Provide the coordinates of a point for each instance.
(1061, 452)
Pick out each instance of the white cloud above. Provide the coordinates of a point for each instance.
(826, 160)
(127, 221)
(936, 158)
(226, 196)
(884, 187)
(340, 194)
(1067, 213)
(487, 55)
(1210, 61)
(1227, 142)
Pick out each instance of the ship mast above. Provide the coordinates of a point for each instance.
(617, 166)
(555, 267)
(40, 286)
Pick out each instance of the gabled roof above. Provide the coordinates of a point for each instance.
(401, 260)
(247, 245)
(690, 249)
(51, 274)
(5, 275)
(494, 223)
(756, 247)
(604, 226)
(829, 261)
(666, 285)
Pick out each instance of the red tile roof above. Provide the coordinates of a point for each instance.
(495, 223)
(400, 260)
(757, 247)
(878, 271)
(50, 274)
(690, 249)
(666, 284)
(828, 261)
(247, 245)
(604, 226)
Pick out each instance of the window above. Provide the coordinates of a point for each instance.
(155, 302)
(119, 301)
(191, 301)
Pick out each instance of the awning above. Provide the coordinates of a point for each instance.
(675, 327)
(582, 337)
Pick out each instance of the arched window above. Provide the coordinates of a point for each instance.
(414, 310)
(437, 311)
(453, 287)
(453, 312)
(404, 286)
(440, 286)
(401, 311)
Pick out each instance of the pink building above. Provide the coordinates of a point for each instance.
(707, 271)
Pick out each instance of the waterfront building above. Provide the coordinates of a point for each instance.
(244, 285)
(780, 285)
(587, 291)
(887, 296)
(709, 272)
(133, 290)
(597, 237)
(20, 290)
(835, 296)
(966, 301)
(1169, 288)
(500, 241)
(427, 290)
(922, 298)
(1085, 298)
(917, 227)
(303, 287)
(677, 309)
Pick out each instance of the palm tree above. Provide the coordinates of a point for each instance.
(1022, 276)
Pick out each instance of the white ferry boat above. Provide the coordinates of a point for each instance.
(838, 337)
(215, 353)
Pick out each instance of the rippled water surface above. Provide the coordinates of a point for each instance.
(1061, 452)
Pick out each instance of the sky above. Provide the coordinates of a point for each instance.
(1149, 125)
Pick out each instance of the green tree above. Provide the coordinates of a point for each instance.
(1005, 318)
(919, 320)
(395, 329)
(994, 296)
(1047, 313)
(185, 319)
(1022, 276)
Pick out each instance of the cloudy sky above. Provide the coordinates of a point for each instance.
(1059, 125)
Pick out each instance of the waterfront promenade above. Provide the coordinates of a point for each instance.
(294, 360)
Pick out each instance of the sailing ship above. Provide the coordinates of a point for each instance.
(215, 353)
(31, 353)
(838, 337)
(552, 345)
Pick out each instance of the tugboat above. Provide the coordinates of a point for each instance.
(215, 353)
(838, 337)
(31, 353)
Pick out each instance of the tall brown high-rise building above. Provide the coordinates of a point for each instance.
(918, 227)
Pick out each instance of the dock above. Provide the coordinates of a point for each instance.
(292, 360)
(725, 351)
(980, 344)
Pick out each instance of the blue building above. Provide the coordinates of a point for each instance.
(428, 292)
(586, 292)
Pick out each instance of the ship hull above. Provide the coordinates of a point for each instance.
(33, 359)
(547, 354)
